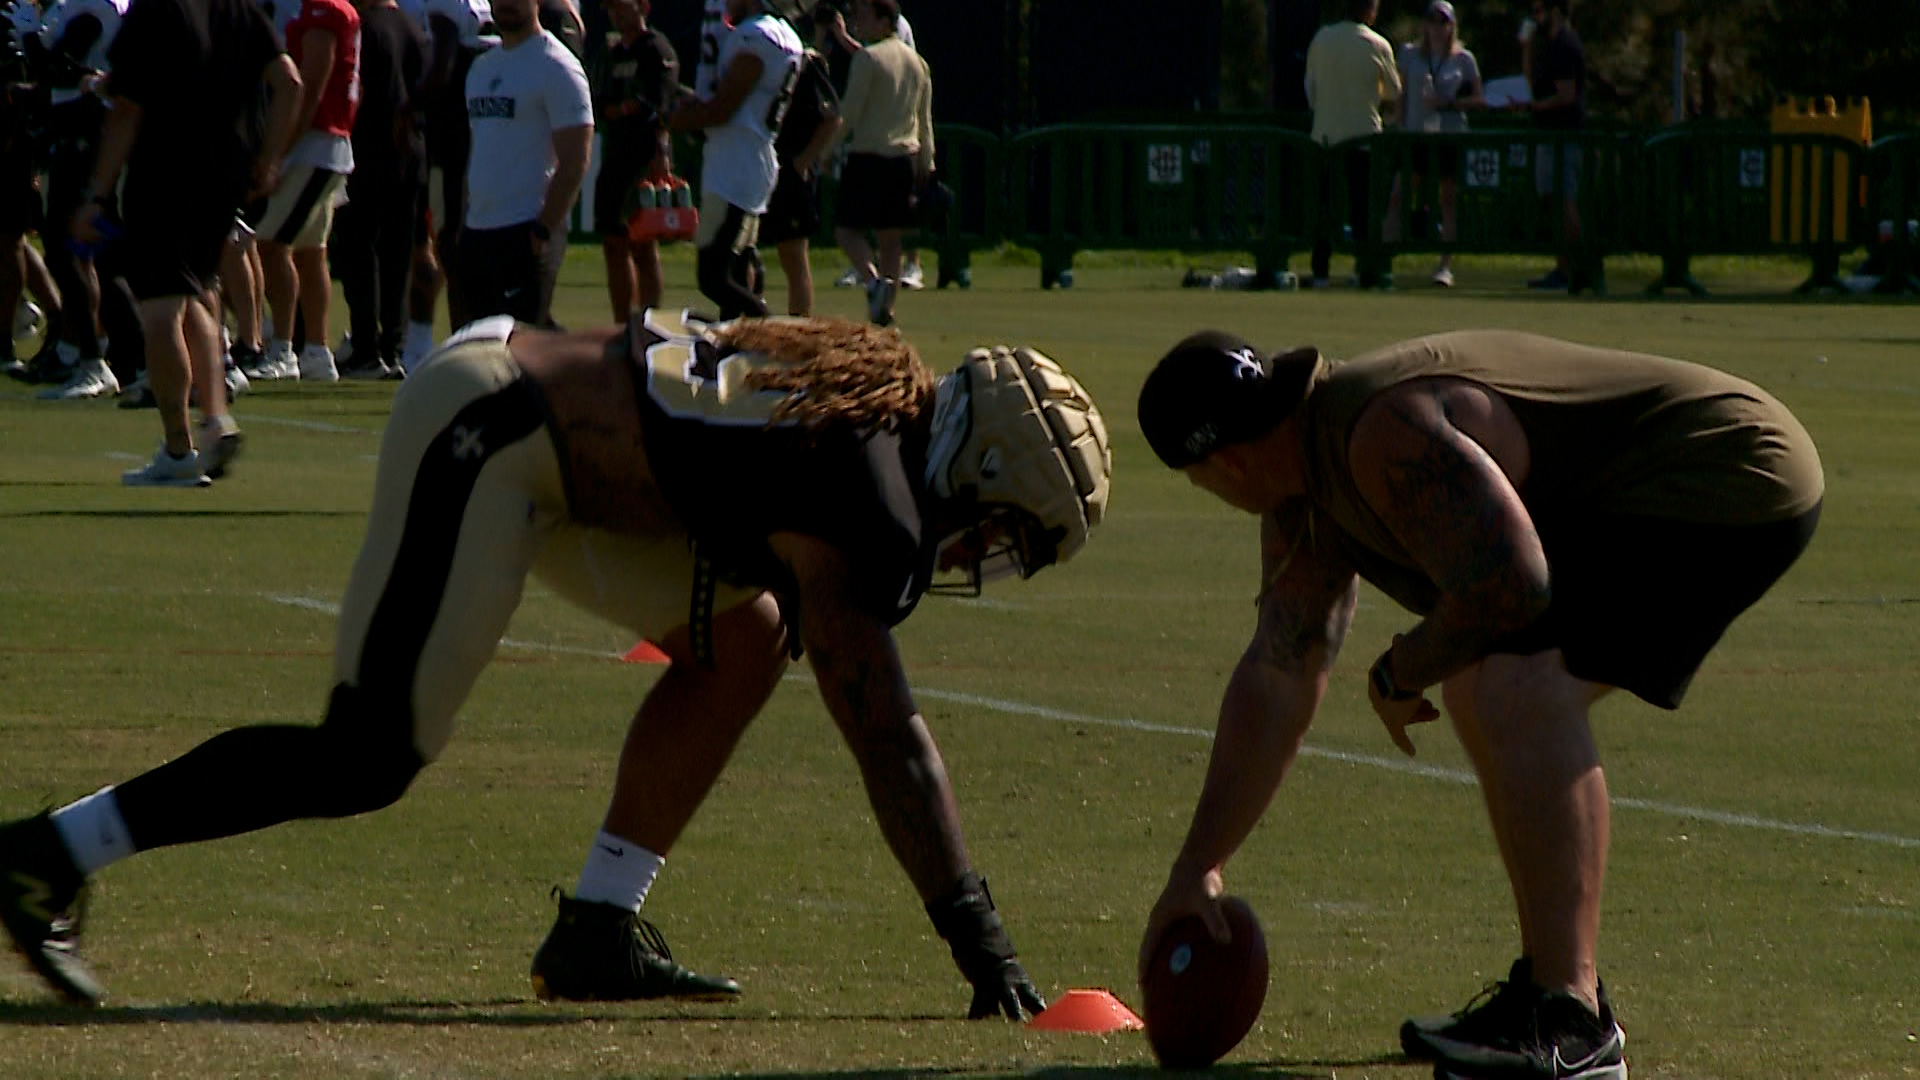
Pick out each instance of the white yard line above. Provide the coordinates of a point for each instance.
(304, 425)
(1396, 765)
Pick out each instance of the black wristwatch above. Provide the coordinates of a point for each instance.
(540, 231)
(1382, 678)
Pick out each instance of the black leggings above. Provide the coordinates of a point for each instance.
(372, 252)
(727, 266)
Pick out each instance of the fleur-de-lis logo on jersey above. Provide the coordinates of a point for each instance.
(466, 443)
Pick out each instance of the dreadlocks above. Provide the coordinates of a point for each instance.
(836, 372)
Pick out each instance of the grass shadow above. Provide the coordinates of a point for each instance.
(1265, 1070)
(137, 515)
(499, 1012)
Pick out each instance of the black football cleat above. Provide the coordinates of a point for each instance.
(603, 952)
(43, 904)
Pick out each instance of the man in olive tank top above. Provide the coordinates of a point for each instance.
(1565, 520)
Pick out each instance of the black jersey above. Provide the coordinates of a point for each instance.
(736, 477)
(634, 85)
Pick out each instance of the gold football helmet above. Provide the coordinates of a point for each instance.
(1018, 439)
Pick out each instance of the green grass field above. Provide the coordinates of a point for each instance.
(1763, 915)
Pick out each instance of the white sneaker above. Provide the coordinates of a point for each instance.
(343, 352)
(28, 319)
(91, 379)
(165, 470)
(912, 277)
(277, 362)
(316, 365)
(1443, 277)
(237, 382)
(848, 280)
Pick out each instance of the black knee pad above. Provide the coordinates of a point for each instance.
(366, 750)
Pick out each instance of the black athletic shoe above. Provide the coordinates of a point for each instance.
(1547, 1035)
(1487, 1009)
(43, 903)
(603, 952)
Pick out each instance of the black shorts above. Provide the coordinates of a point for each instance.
(497, 272)
(1639, 602)
(793, 212)
(875, 193)
(173, 237)
(618, 174)
(1446, 157)
(19, 199)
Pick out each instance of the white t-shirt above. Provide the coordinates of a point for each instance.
(739, 164)
(516, 99)
(53, 26)
(714, 29)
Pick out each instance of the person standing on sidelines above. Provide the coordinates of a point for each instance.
(1565, 520)
(793, 211)
(373, 237)
(759, 62)
(530, 116)
(888, 114)
(636, 79)
(458, 32)
(1441, 80)
(1557, 79)
(1350, 73)
(186, 86)
(76, 38)
(324, 40)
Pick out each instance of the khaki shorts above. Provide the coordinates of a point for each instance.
(300, 213)
(468, 501)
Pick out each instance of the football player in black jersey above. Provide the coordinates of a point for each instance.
(735, 492)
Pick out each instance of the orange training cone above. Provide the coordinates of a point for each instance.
(1090, 1012)
(646, 653)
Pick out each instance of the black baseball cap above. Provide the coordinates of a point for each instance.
(1215, 389)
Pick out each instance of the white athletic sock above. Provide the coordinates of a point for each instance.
(95, 834)
(617, 872)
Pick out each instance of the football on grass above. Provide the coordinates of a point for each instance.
(1203, 997)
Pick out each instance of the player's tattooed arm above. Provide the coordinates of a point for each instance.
(864, 686)
(1306, 598)
(1452, 507)
(1306, 604)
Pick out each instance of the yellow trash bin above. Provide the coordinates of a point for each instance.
(1794, 169)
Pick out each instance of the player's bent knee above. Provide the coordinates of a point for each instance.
(367, 746)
